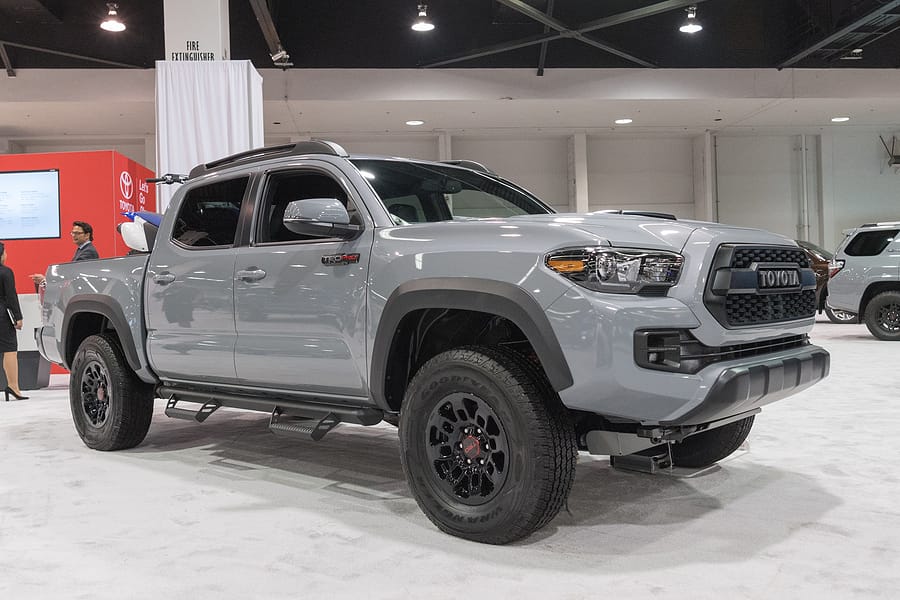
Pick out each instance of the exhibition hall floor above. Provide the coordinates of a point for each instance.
(807, 509)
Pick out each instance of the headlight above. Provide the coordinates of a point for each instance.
(620, 270)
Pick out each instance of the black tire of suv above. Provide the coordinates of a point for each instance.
(709, 447)
(883, 316)
(522, 417)
(840, 316)
(111, 407)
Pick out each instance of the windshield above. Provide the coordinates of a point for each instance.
(420, 193)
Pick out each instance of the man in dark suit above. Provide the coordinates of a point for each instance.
(83, 238)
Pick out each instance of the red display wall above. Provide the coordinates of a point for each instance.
(96, 187)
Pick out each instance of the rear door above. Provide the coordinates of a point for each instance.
(189, 294)
(300, 302)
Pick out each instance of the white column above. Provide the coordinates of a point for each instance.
(704, 148)
(827, 226)
(444, 146)
(578, 173)
(196, 30)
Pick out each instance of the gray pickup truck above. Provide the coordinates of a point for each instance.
(502, 338)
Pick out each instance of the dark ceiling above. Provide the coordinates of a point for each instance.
(476, 34)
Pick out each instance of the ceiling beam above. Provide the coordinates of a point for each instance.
(577, 32)
(101, 61)
(853, 26)
(565, 32)
(542, 57)
(6, 62)
(267, 25)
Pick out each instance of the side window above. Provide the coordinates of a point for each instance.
(284, 188)
(208, 216)
(870, 243)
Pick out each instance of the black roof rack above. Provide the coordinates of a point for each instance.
(469, 164)
(640, 213)
(257, 154)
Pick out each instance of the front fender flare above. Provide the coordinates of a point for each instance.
(465, 293)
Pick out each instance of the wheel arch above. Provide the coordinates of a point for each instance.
(479, 298)
(95, 314)
(873, 290)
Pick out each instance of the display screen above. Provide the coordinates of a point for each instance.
(29, 204)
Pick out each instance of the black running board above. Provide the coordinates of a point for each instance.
(295, 408)
(199, 415)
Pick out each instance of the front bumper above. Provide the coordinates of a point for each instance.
(743, 388)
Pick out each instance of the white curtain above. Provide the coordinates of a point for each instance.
(204, 111)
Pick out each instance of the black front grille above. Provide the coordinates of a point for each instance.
(750, 309)
(733, 296)
(744, 257)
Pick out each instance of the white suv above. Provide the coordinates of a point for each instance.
(866, 277)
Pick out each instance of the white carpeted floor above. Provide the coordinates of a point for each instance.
(810, 508)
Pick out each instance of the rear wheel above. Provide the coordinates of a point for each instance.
(111, 407)
(883, 316)
(704, 449)
(486, 445)
(836, 315)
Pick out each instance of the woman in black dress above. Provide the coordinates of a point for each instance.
(10, 321)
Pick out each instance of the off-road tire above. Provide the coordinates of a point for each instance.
(111, 407)
(514, 416)
(840, 316)
(883, 316)
(704, 449)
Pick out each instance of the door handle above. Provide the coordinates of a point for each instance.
(164, 278)
(250, 274)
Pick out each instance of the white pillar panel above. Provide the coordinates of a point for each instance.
(578, 174)
(196, 30)
(204, 111)
(445, 151)
(704, 164)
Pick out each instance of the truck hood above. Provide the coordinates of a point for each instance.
(620, 230)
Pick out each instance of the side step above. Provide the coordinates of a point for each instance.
(199, 415)
(314, 428)
(643, 462)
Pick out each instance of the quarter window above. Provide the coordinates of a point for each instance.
(208, 216)
(870, 243)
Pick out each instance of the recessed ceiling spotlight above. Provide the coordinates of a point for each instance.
(112, 22)
(422, 23)
(691, 25)
(415, 122)
(623, 121)
(839, 119)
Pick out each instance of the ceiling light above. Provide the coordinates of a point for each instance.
(623, 121)
(691, 25)
(415, 122)
(839, 119)
(855, 54)
(112, 22)
(422, 23)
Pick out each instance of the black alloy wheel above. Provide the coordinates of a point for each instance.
(467, 448)
(95, 393)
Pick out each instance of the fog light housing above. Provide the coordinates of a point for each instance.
(658, 349)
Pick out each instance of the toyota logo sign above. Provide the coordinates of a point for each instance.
(126, 184)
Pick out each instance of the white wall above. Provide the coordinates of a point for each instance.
(758, 182)
(641, 173)
(425, 148)
(863, 188)
(135, 150)
(539, 164)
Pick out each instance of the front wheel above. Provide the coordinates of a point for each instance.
(883, 316)
(486, 445)
(703, 449)
(111, 407)
(835, 315)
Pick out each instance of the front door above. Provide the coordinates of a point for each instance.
(300, 310)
